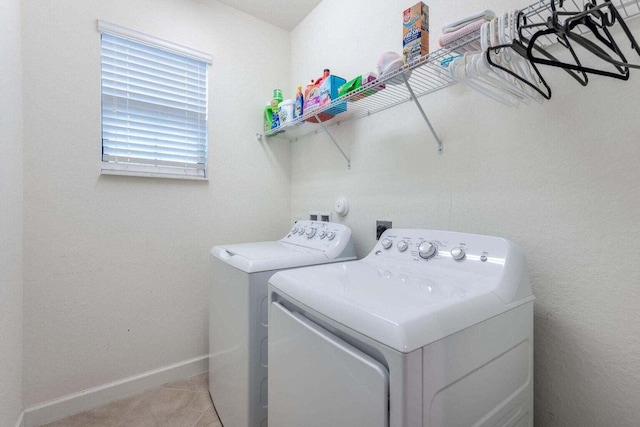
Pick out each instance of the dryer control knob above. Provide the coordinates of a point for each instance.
(427, 249)
(386, 243)
(301, 231)
(331, 235)
(322, 234)
(457, 253)
(402, 245)
(295, 230)
(311, 232)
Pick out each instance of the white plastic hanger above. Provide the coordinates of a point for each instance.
(495, 75)
(473, 69)
(514, 62)
(459, 71)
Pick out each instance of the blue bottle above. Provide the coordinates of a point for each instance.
(298, 107)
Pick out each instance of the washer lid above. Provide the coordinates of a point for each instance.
(308, 243)
(265, 256)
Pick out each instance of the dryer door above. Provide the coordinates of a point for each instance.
(318, 380)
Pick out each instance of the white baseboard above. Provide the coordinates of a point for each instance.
(20, 421)
(94, 397)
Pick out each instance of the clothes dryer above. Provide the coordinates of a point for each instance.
(432, 328)
(238, 312)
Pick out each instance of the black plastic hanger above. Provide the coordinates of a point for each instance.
(563, 33)
(597, 18)
(530, 45)
(520, 49)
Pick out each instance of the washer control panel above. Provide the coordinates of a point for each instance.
(317, 234)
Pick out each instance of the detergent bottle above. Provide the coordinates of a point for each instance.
(268, 117)
(325, 89)
(277, 99)
(312, 94)
(299, 103)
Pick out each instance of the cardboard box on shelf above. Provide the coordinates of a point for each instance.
(318, 96)
(355, 84)
(415, 32)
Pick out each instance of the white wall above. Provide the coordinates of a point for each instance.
(559, 179)
(116, 268)
(11, 208)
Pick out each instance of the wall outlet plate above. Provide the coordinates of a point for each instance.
(381, 226)
(320, 216)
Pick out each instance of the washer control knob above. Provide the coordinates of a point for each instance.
(322, 234)
(331, 235)
(427, 249)
(311, 232)
(457, 253)
(402, 245)
(386, 243)
(295, 230)
(301, 231)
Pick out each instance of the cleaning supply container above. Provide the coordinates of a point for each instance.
(299, 103)
(268, 117)
(325, 90)
(286, 109)
(275, 103)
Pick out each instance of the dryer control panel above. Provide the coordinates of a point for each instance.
(330, 237)
(475, 260)
(430, 245)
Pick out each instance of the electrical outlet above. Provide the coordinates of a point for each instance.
(320, 216)
(381, 226)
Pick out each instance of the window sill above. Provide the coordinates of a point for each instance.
(149, 172)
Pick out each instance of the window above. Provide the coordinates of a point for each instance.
(154, 106)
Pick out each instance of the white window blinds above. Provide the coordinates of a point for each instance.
(154, 106)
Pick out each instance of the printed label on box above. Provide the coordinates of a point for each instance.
(415, 32)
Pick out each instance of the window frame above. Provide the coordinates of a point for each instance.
(155, 171)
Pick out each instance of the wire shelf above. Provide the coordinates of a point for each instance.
(420, 78)
(424, 76)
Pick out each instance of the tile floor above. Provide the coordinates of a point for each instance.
(184, 403)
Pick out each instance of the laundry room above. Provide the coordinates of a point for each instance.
(106, 270)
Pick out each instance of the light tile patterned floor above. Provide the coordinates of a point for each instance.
(184, 403)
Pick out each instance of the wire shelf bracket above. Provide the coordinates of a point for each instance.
(424, 115)
(326, 129)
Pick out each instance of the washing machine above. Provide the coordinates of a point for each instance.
(238, 312)
(431, 328)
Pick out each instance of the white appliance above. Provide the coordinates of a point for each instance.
(432, 328)
(239, 311)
